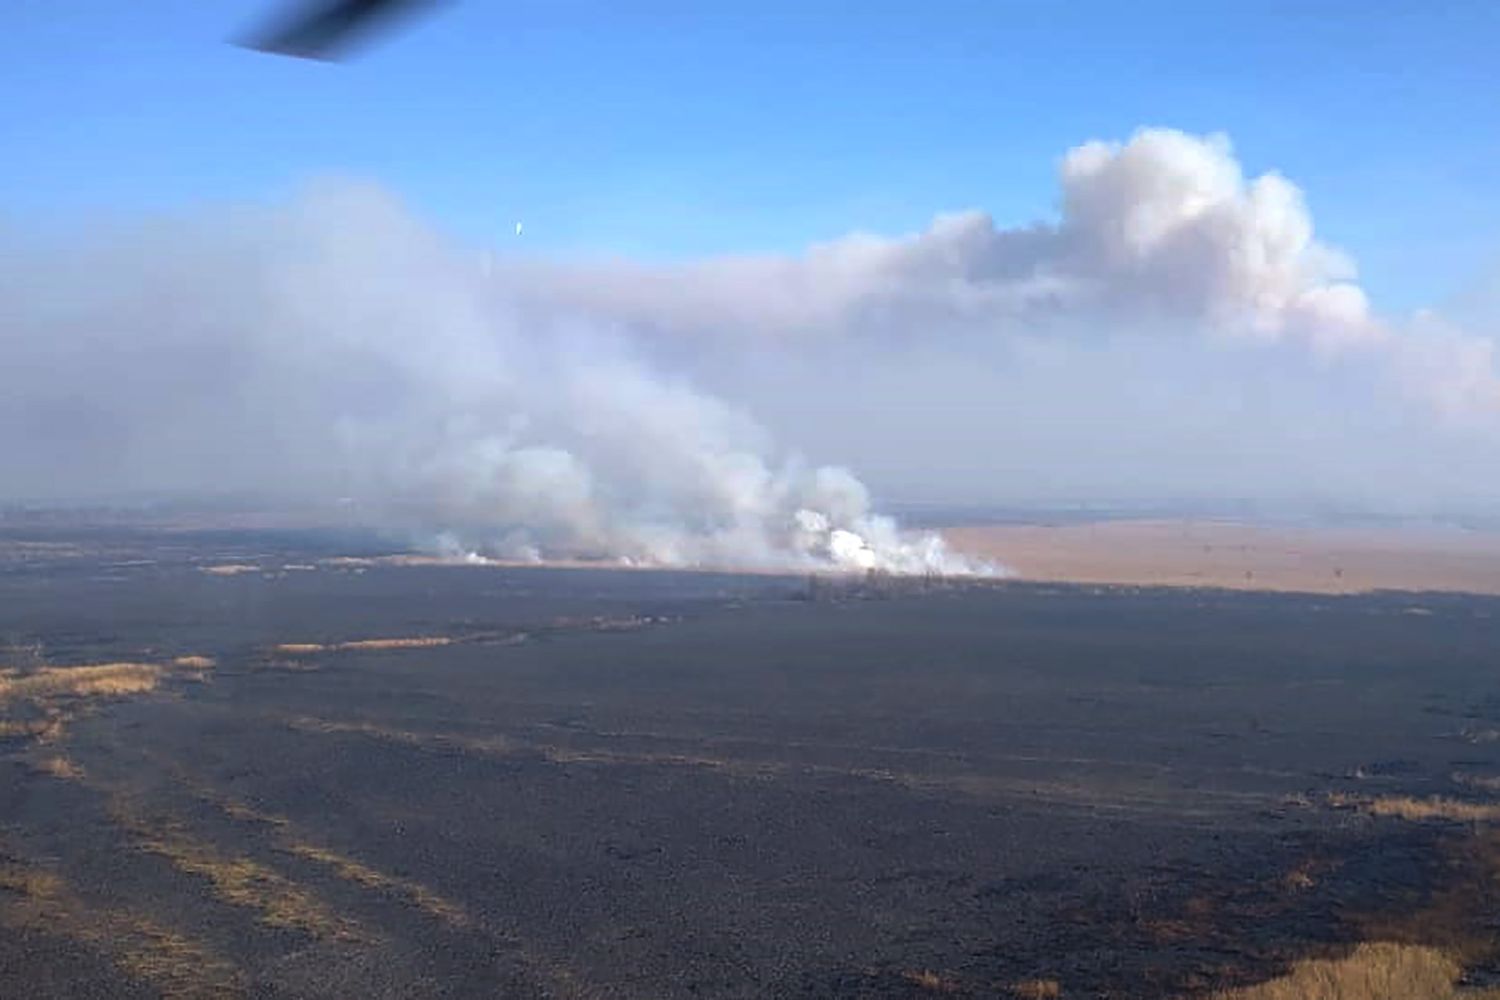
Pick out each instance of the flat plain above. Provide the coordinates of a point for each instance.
(260, 764)
(1241, 555)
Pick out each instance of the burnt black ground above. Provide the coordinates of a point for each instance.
(625, 784)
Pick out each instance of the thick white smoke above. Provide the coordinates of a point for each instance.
(334, 346)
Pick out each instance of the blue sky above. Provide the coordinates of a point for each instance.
(671, 129)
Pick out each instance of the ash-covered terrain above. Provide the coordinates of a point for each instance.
(259, 765)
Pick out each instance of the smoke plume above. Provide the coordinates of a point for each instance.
(334, 346)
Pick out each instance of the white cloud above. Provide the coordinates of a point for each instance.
(1161, 232)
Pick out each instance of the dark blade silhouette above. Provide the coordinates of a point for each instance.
(327, 28)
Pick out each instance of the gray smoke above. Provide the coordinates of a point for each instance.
(1176, 325)
(335, 346)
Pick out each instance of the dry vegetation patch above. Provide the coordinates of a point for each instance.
(61, 767)
(1415, 809)
(173, 964)
(1372, 971)
(416, 642)
(37, 700)
(239, 880)
(364, 645)
(366, 877)
(929, 981)
(27, 728)
(108, 679)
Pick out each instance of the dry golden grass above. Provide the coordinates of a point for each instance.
(930, 981)
(240, 881)
(1417, 810)
(106, 679)
(287, 840)
(53, 728)
(174, 965)
(417, 642)
(276, 896)
(1037, 989)
(29, 883)
(12, 729)
(1373, 971)
(39, 701)
(1298, 880)
(60, 767)
(366, 877)
(179, 967)
(364, 645)
(235, 809)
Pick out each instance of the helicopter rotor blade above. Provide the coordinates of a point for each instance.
(324, 29)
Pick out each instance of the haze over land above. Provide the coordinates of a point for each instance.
(1174, 327)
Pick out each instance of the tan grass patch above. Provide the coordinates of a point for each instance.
(61, 767)
(181, 968)
(343, 866)
(1373, 971)
(195, 662)
(108, 679)
(283, 836)
(52, 730)
(240, 881)
(235, 809)
(1417, 810)
(1037, 989)
(417, 642)
(1298, 880)
(177, 967)
(364, 645)
(12, 729)
(29, 883)
(363, 875)
(930, 981)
